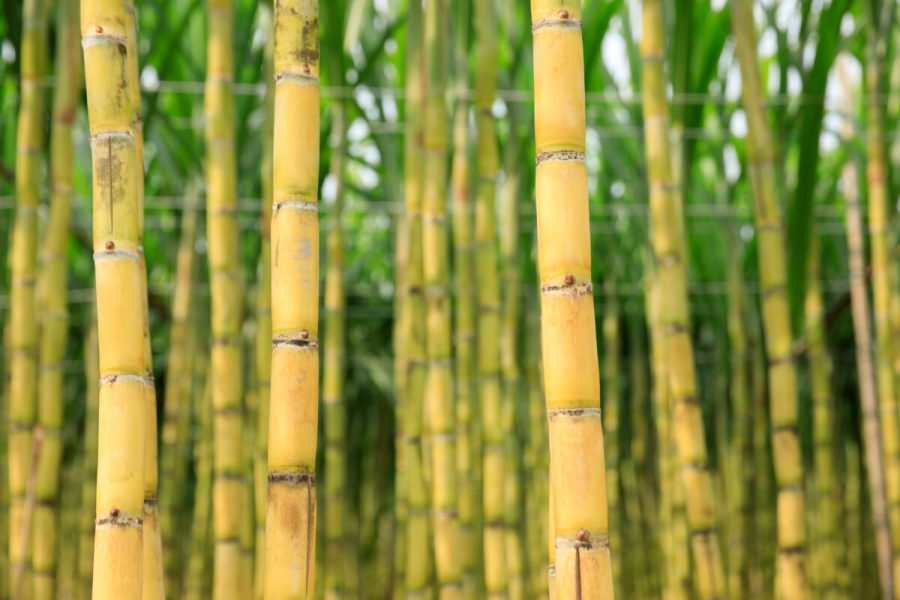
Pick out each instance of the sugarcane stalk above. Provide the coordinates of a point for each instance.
(611, 397)
(293, 405)
(874, 439)
(580, 526)
(23, 318)
(465, 310)
(439, 400)
(153, 584)
(263, 350)
(176, 422)
(670, 261)
(879, 222)
(418, 554)
(226, 288)
(488, 296)
(89, 469)
(338, 566)
(53, 300)
(198, 583)
(828, 501)
(782, 377)
(121, 296)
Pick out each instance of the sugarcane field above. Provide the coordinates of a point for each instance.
(450, 300)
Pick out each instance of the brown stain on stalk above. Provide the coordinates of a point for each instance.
(309, 37)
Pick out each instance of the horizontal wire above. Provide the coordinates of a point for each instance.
(253, 206)
(625, 289)
(514, 95)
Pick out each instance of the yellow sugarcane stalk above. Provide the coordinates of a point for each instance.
(440, 409)
(263, 351)
(23, 319)
(668, 250)
(337, 566)
(53, 301)
(293, 405)
(118, 544)
(418, 556)
(792, 569)
(571, 371)
(488, 286)
(226, 287)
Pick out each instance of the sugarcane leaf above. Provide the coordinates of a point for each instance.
(809, 129)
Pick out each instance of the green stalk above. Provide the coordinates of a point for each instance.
(176, 421)
(536, 462)
(465, 311)
(418, 561)
(89, 469)
(512, 380)
(873, 438)
(23, 319)
(439, 400)
(828, 503)
(611, 396)
(53, 300)
(263, 350)
(670, 261)
(782, 376)
(738, 453)
(198, 583)
(488, 284)
(878, 175)
(337, 565)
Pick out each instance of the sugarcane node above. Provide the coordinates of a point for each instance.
(110, 245)
(583, 535)
(114, 512)
(99, 29)
(563, 14)
(304, 334)
(570, 279)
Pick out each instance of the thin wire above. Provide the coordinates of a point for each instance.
(253, 206)
(631, 289)
(516, 95)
